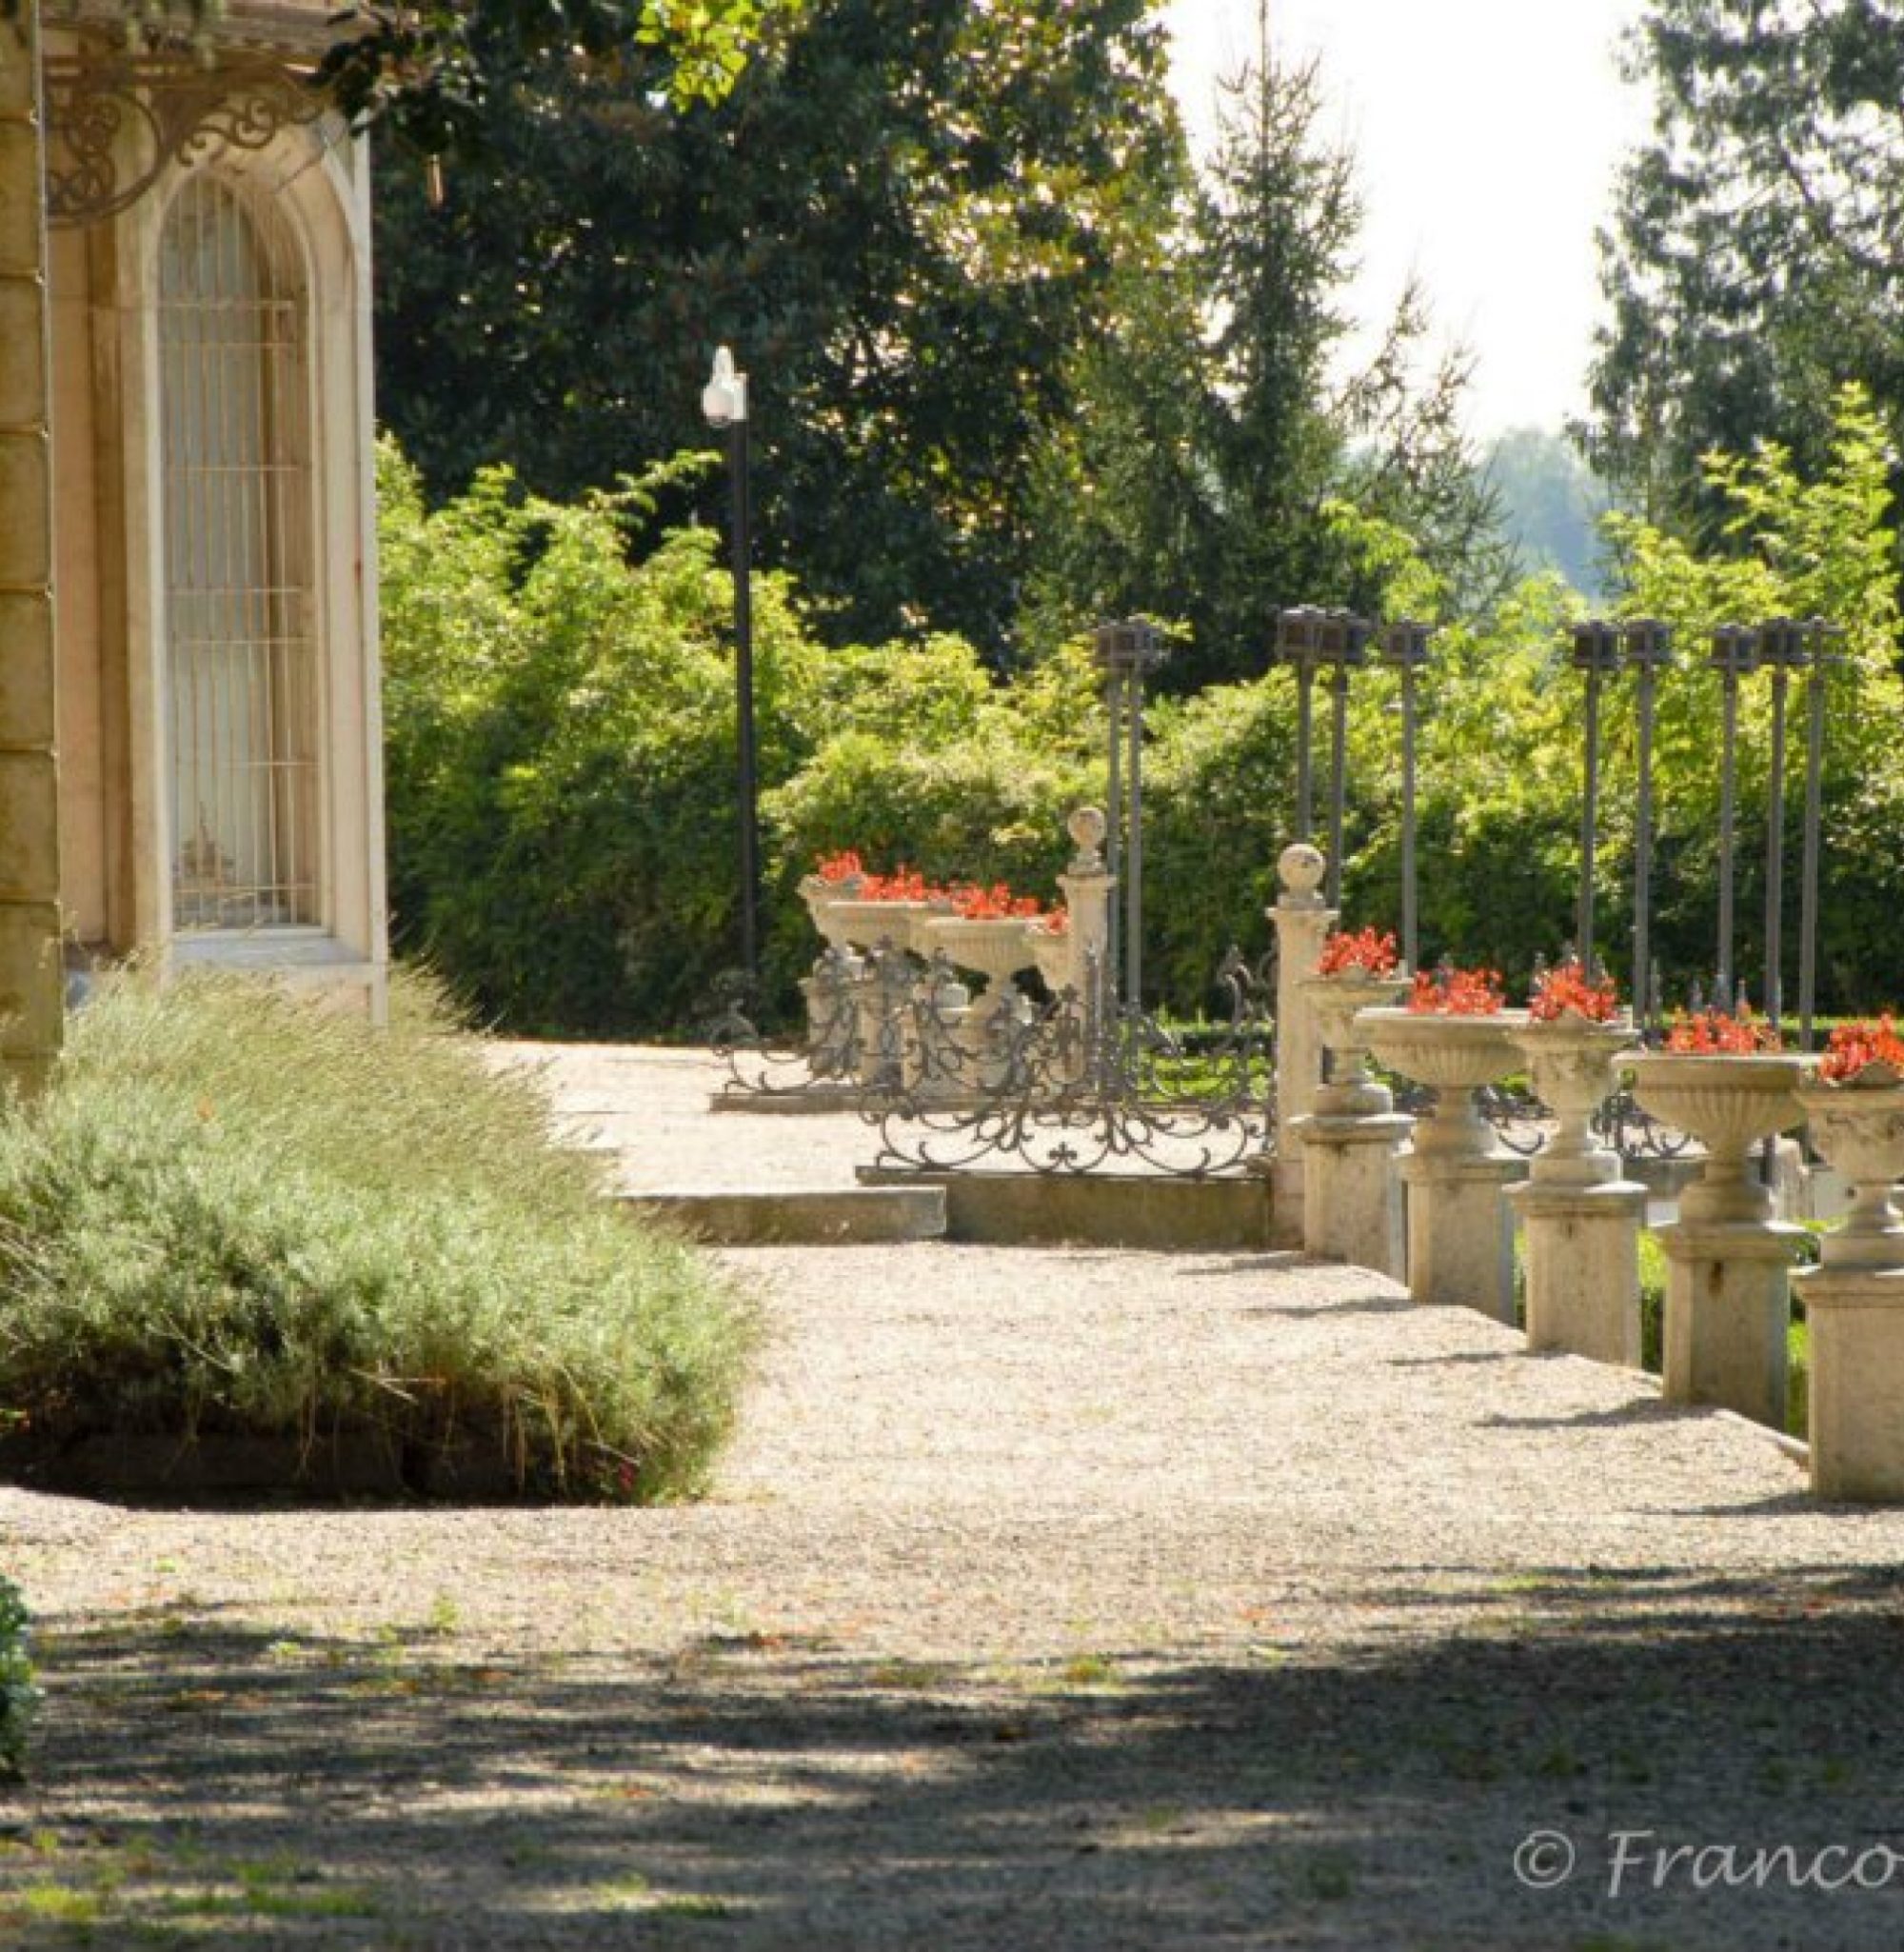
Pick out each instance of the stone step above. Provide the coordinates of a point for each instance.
(1221, 1214)
(827, 1217)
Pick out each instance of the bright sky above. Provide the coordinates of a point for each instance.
(1487, 134)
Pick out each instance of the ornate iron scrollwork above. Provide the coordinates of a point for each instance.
(115, 120)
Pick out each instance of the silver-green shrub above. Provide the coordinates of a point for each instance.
(235, 1213)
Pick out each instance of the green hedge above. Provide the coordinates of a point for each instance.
(236, 1214)
(562, 782)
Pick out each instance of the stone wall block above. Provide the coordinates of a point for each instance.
(25, 534)
(26, 669)
(28, 826)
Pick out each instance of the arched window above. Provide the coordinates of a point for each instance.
(241, 668)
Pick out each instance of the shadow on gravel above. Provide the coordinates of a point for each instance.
(199, 1784)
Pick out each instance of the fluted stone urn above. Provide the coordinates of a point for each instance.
(1855, 1299)
(1460, 1230)
(996, 948)
(1455, 1056)
(1570, 1063)
(1728, 1261)
(823, 898)
(1858, 1127)
(1580, 1219)
(1339, 1002)
(873, 924)
(1727, 1102)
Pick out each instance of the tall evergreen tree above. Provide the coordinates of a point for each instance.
(1755, 259)
(1214, 431)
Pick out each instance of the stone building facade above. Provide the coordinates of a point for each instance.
(188, 725)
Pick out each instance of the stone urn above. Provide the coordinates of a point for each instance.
(875, 925)
(1727, 1102)
(1338, 1002)
(1455, 1056)
(823, 898)
(993, 949)
(1859, 1126)
(1570, 1063)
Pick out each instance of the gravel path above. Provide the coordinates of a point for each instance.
(1058, 1598)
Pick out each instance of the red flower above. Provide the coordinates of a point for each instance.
(1853, 1046)
(903, 884)
(1366, 952)
(1450, 993)
(1716, 1033)
(837, 868)
(994, 904)
(1565, 988)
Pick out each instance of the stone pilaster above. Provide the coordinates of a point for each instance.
(31, 986)
(1301, 920)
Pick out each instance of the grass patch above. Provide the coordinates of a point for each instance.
(234, 1213)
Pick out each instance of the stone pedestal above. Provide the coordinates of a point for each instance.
(1855, 1302)
(1728, 1262)
(1351, 1208)
(1301, 920)
(1580, 1221)
(1581, 1249)
(1460, 1230)
(1855, 1316)
(1728, 1307)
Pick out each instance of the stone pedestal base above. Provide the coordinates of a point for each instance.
(1855, 1316)
(1352, 1191)
(1287, 1226)
(1582, 1261)
(1728, 1307)
(1460, 1230)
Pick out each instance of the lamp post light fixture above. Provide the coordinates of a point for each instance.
(724, 400)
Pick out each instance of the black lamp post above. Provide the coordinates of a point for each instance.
(1596, 651)
(724, 400)
(1404, 648)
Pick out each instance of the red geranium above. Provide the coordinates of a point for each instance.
(1450, 992)
(1566, 986)
(1719, 1033)
(994, 904)
(840, 867)
(903, 884)
(1365, 951)
(1853, 1047)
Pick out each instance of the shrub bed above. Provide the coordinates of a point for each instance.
(238, 1220)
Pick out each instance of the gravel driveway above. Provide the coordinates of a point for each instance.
(1049, 1598)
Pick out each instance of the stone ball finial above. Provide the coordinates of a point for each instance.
(1086, 827)
(1302, 867)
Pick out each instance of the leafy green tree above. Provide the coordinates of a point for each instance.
(1755, 253)
(1210, 436)
(901, 219)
